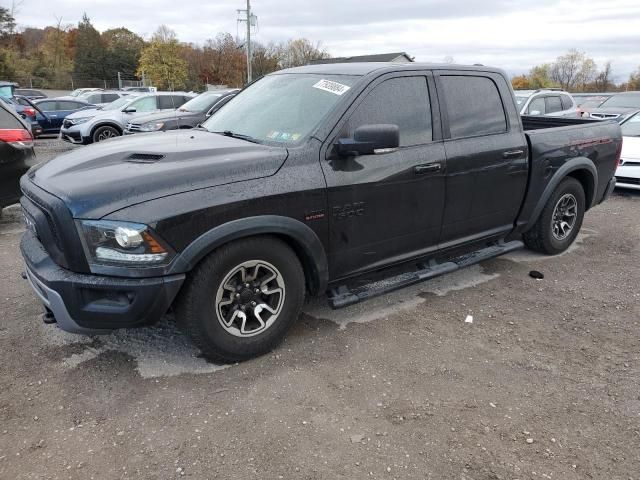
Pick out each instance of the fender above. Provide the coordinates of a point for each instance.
(575, 164)
(303, 240)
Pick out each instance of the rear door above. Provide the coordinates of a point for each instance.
(486, 155)
(386, 207)
(50, 109)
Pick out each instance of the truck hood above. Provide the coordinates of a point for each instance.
(87, 112)
(99, 179)
(164, 116)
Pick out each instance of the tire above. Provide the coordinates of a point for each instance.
(205, 309)
(547, 235)
(104, 133)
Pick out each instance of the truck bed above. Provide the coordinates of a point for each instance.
(538, 122)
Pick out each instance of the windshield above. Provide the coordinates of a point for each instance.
(521, 101)
(116, 104)
(281, 108)
(76, 92)
(624, 101)
(200, 103)
(6, 91)
(631, 128)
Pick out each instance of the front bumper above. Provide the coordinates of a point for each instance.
(74, 134)
(85, 303)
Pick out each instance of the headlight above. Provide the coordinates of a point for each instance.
(77, 121)
(122, 243)
(151, 126)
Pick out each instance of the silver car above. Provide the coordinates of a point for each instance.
(96, 125)
(552, 102)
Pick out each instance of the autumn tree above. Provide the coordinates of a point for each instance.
(301, 51)
(123, 49)
(634, 80)
(520, 82)
(161, 61)
(265, 59)
(602, 82)
(539, 77)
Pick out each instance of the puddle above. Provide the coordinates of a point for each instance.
(159, 351)
(400, 300)
(525, 255)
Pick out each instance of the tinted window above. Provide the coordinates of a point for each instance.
(566, 102)
(537, 105)
(109, 97)
(146, 104)
(67, 105)
(9, 121)
(95, 98)
(399, 101)
(553, 104)
(474, 106)
(47, 106)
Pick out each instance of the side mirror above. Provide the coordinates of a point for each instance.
(370, 139)
(129, 110)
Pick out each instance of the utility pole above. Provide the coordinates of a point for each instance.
(119, 81)
(248, 42)
(250, 19)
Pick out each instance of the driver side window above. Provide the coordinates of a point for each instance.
(146, 104)
(402, 101)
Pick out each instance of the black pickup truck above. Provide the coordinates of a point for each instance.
(309, 180)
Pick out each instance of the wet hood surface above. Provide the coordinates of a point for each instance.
(101, 178)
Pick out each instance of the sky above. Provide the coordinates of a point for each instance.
(513, 35)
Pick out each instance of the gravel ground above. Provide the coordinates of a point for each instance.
(543, 384)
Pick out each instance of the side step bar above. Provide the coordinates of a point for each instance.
(343, 296)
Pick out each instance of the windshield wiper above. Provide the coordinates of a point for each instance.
(229, 133)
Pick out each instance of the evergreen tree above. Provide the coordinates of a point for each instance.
(88, 65)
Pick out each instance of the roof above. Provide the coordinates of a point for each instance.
(380, 57)
(366, 68)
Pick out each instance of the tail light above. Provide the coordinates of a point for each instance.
(30, 112)
(17, 137)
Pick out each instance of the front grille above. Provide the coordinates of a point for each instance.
(50, 225)
(54, 226)
(133, 127)
(629, 163)
(629, 180)
(603, 116)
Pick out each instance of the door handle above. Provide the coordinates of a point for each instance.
(512, 154)
(427, 168)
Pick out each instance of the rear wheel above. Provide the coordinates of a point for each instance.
(105, 133)
(242, 299)
(560, 220)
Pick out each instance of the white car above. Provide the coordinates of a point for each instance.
(96, 125)
(628, 171)
(551, 102)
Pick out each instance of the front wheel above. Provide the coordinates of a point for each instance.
(105, 133)
(242, 299)
(560, 220)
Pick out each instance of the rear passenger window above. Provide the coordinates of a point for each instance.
(567, 103)
(47, 106)
(109, 97)
(169, 102)
(402, 101)
(553, 104)
(474, 106)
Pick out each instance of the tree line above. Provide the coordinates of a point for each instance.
(576, 72)
(66, 56)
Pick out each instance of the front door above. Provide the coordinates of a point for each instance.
(386, 207)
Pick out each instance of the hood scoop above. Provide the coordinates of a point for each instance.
(144, 157)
